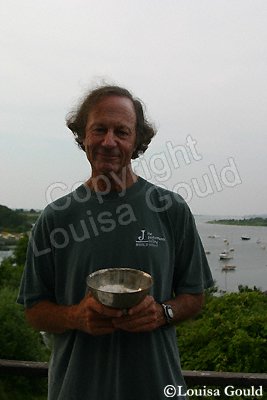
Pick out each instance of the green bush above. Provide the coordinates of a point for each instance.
(229, 335)
(11, 267)
(18, 341)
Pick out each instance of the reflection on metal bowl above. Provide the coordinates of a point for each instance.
(119, 287)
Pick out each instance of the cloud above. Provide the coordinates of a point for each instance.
(199, 66)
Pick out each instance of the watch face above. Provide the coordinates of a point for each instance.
(170, 312)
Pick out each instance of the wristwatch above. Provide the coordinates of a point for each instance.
(168, 312)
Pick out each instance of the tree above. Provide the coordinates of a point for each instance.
(18, 341)
(21, 250)
(229, 335)
(13, 221)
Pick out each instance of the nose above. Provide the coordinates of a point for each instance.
(109, 139)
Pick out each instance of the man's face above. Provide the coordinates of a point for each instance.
(110, 135)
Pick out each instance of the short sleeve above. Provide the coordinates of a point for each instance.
(37, 281)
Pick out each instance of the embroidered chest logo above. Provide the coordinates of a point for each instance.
(147, 239)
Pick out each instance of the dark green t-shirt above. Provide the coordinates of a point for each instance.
(145, 227)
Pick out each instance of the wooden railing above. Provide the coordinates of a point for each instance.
(23, 368)
(193, 378)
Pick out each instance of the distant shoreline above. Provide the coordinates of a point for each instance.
(257, 221)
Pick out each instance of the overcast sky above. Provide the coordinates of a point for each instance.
(198, 65)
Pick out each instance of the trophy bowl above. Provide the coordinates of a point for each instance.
(119, 287)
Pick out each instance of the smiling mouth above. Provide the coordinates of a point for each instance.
(108, 155)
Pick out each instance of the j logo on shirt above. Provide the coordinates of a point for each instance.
(147, 239)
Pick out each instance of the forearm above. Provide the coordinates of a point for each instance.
(186, 306)
(50, 317)
(88, 316)
(149, 315)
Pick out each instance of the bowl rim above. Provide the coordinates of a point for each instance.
(148, 286)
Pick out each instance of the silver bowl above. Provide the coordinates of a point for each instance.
(119, 287)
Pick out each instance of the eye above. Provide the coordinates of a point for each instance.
(99, 130)
(122, 132)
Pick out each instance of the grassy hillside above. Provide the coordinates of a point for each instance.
(257, 221)
(16, 221)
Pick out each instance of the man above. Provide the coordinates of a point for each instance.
(115, 219)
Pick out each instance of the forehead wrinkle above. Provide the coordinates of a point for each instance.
(122, 106)
(112, 112)
(112, 116)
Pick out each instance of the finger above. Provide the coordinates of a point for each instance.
(142, 306)
(132, 323)
(99, 325)
(147, 313)
(108, 311)
(101, 309)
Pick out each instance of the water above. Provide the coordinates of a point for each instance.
(4, 254)
(249, 257)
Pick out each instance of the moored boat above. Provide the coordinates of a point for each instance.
(224, 255)
(245, 237)
(228, 268)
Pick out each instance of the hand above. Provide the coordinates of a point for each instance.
(144, 317)
(92, 317)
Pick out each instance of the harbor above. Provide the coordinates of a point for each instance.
(233, 260)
